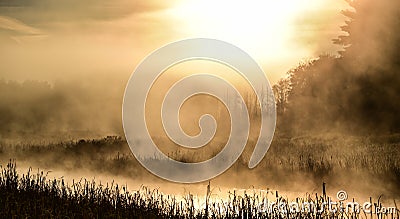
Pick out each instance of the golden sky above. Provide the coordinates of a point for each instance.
(56, 40)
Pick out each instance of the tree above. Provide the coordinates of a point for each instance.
(281, 92)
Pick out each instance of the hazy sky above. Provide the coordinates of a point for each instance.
(58, 39)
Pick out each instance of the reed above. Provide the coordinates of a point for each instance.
(33, 195)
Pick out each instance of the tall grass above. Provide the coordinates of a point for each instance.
(32, 195)
(311, 154)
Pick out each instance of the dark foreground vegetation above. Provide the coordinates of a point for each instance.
(32, 195)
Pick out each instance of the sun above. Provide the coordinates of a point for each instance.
(260, 27)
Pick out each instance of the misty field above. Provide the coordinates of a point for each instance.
(33, 195)
(332, 159)
(65, 66)
(318, 156)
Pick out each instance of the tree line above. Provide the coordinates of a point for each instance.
(356, 91)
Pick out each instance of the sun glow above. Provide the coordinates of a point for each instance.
(256, 26)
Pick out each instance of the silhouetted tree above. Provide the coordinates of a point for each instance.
(358, 91)
(281, 92)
